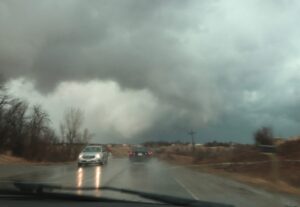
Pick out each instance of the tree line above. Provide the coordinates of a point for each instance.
(26, 131)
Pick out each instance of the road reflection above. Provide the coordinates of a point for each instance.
(97, 176)
(97, 179)
(85, 178)
(79, 178)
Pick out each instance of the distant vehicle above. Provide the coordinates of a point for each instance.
(93, 154)
(140, 154)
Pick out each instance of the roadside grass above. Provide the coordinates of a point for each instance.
(9, 159)
(119, 151)
(244, 161)
(58, 154)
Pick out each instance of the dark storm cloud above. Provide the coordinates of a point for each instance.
(201, 60)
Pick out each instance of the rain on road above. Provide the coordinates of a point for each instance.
(154, 176)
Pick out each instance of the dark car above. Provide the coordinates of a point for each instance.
(140, 154)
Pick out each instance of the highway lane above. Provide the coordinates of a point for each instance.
(154, 176)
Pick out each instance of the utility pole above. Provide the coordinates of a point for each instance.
(192, 133)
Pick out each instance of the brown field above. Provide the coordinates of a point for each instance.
(119, 151)
(9, 159)
(244, 162)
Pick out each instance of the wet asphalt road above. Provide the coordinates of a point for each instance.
(154, 176)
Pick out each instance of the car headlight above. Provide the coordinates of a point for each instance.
(98, 156)
(80, 156)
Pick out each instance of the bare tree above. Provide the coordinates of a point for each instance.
(18, 127)
(28, 134)
(86, 136)
(4, 101)
(71, 126)
(37, 127)
(62, 128)
(71, 131)
(264, 136)
(13, 124)
(3, 123)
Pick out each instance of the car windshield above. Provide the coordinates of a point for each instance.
(92, 149)
(193, 99)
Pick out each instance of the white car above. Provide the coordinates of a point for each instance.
(93, 154)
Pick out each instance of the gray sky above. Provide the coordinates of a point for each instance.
(143, 70)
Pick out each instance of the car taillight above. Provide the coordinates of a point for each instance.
(130, 153)
(150, 153)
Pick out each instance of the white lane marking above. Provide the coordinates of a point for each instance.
(186, 188)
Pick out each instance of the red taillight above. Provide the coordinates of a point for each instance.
(150, 153)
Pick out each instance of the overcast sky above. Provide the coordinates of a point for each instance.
(145, 70)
